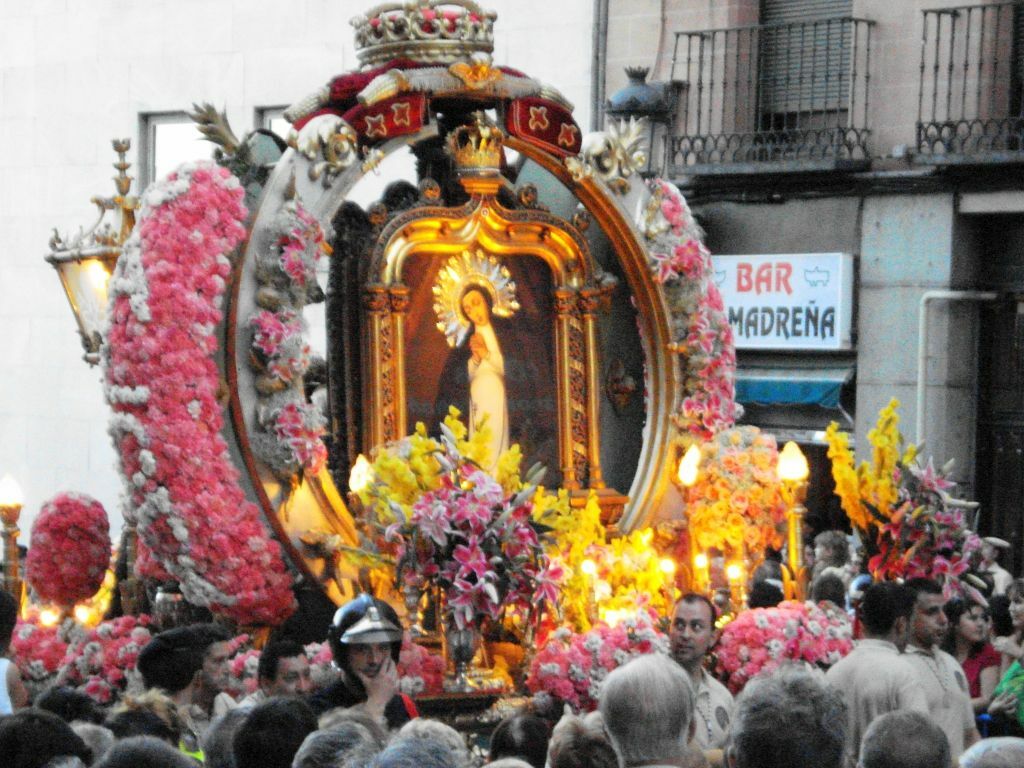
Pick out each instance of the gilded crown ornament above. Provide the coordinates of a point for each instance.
(427, 31)
(476, 148)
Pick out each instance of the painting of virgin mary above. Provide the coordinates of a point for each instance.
(493, 358)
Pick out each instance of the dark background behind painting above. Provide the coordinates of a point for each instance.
(528, 351)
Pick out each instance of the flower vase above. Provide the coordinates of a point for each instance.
(460, 648)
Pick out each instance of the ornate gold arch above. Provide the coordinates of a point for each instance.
(484, 223)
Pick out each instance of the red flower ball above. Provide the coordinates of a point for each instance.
(70, 549)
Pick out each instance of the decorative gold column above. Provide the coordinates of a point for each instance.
(399, 304)
(588, 303)
(375, 299)
(564, 301)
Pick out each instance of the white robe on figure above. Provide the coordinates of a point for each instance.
(487, 395)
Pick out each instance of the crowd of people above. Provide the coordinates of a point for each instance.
(931, 683)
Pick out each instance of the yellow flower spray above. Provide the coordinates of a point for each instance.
(869, 492)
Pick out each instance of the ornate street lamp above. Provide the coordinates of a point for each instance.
(10, 509)
(793, 472)
(85, 262)
(654, 102)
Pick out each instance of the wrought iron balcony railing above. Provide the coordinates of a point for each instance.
(772, 97)
(971, 99)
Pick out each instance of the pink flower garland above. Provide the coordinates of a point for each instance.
(102, 662)
(70, 549)
(571, 667)
(762, 639)
(682, 266)
(162, 382)
(38, 652)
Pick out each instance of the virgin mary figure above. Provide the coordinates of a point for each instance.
(474, 297)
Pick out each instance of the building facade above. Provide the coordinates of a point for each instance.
(893, 132)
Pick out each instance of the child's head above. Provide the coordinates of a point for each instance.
(8, 618)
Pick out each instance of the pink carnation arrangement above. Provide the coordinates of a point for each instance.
(701, 332)
(38, 652)
(277, 339)
(571, 667)
(298, 428)
(101, 663)
(420, 672)
(321, 664)
(70, 549)
(243, 663)
(761, 639)
(301, 245)
(194, 520)
(290, 429)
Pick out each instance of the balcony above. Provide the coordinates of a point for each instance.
(971, 101)
(772, 97)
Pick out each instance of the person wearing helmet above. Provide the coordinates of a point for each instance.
(366, 638)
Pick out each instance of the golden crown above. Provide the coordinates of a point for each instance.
(428, 31)
(477, 147)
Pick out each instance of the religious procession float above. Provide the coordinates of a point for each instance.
(523, 433)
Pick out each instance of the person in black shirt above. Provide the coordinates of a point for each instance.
(366, 638)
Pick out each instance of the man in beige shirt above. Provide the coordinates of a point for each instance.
(692, 635)
(942, 678)
(874, 678)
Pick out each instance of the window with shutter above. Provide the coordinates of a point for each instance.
(805, 52)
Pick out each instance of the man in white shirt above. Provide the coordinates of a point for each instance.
(874, 678)
(692, 635)
(941, 676)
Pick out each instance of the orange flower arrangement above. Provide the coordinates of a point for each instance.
(737, 503)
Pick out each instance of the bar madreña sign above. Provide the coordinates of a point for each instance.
(788, 300)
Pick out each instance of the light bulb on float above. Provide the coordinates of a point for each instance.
(793, 472)
(360, 477)
(689, 466)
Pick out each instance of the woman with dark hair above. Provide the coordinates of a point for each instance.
(524, 736)
(968, 642)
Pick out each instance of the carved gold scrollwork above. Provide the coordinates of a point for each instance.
(330, 143)
(612, 156)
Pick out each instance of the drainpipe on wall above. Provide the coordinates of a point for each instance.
(922, 341)
(598, 65)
